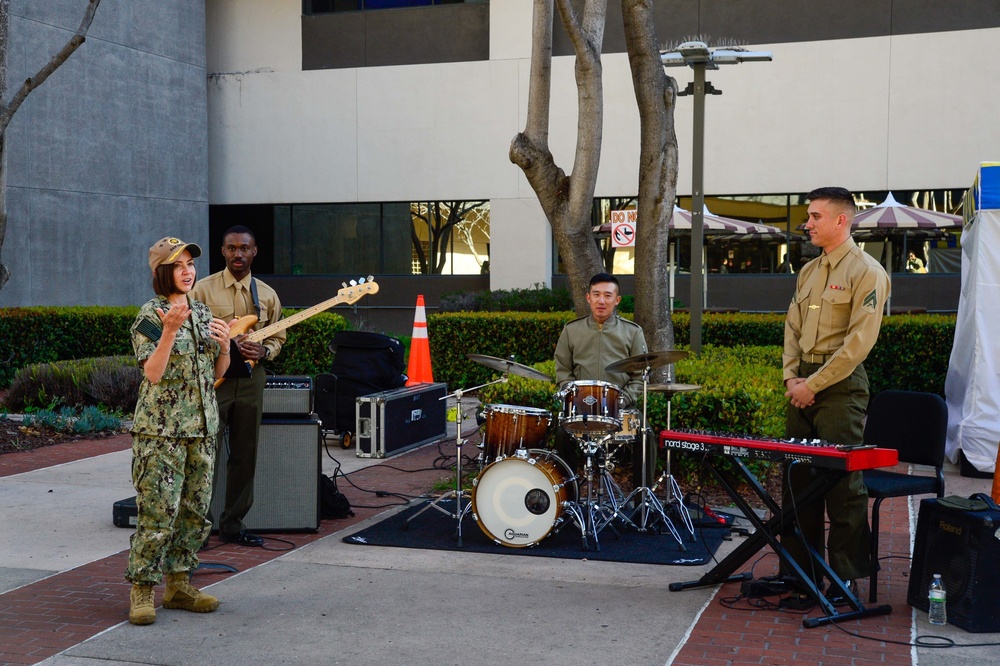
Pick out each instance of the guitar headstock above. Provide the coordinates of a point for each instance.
(357, 288)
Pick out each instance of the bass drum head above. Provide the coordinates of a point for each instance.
(517, 502)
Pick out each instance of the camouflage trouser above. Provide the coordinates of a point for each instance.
(173, 483)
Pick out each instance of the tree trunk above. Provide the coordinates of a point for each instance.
(566, 200)
(656, 96)
(8, 109)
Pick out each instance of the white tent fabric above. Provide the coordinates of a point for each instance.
(972, 386)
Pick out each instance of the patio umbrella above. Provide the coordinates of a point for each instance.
(890, 216)
(713, 226)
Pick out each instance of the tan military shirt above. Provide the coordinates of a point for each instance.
(834, 319)
(586, 348)
(228, 298)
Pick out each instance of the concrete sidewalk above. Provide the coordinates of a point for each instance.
(327, 602)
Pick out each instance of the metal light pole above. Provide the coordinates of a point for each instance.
(699, 57)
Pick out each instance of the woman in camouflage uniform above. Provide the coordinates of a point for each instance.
(182, 349)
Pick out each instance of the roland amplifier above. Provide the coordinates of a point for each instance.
(391, 422)
(286, 483)
(288, 395)
(964, 547)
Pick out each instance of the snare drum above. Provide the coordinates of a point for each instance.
(518, 501)
(590, 408)
(631, 426)
(510, 427)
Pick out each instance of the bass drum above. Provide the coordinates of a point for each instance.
(518, 501)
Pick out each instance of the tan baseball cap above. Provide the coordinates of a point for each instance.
(166, 250)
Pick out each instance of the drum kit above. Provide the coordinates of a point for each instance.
(524, 492)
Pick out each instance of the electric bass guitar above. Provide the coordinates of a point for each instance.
(349, 294)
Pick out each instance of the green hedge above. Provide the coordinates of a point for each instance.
(43, 335)
(912, 351)
(46, 334)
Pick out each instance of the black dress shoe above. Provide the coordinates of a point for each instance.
(834, 596)
(244, 538)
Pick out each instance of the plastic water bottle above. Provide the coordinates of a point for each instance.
(936, 611)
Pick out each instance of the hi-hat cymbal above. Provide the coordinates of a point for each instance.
(643, 361)
(672, 388)
(508, 367)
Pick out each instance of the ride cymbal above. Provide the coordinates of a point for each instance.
(643, 361)
(509, 367)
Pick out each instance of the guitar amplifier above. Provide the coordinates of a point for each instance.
(391, 422)
(964, 547)
(286, 480)
(288, 395)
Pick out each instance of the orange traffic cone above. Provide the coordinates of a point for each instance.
(419, 368)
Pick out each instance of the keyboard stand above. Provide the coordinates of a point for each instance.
(767, 533)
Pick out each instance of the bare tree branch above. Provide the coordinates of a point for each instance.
(78, 38)
(7, 110)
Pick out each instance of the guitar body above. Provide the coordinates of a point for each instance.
(242, 326)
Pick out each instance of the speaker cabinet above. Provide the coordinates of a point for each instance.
(286, 483)
(964, 547)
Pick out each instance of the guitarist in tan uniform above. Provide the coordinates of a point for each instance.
(232, 293)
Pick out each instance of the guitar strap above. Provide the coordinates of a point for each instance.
(253, 295)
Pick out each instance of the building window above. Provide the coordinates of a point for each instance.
(415, 238)
(939, 252)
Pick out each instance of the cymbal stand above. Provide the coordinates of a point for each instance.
(458, 494)
(674, 495)
(648, 505)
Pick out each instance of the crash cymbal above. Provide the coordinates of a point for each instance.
(672, 388)
(650, 360)
(509, 367)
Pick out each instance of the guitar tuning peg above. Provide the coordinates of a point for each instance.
(344, 285)
(371, 278)
(354, 283)
(361, 280)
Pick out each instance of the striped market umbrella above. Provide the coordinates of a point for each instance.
(714, 225)
(890, 216)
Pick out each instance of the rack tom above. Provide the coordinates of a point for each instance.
(590, 408)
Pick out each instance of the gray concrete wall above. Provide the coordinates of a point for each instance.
(110, 154)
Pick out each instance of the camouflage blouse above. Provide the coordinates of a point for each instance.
(182, 403)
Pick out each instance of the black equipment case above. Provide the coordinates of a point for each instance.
(391, 422)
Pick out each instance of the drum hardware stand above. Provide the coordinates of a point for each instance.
(646, 498)
(594, 514)
(458, 493)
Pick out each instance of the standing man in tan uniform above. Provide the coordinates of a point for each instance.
(832, 324)
(590, 344)
(231, 293)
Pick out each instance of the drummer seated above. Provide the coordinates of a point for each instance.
(586, 347)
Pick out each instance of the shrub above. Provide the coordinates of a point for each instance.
(111, 382)
(68, 420)
(537, 298)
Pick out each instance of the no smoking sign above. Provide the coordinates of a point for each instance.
(623, 228)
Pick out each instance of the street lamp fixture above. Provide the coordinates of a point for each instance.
(699, 57)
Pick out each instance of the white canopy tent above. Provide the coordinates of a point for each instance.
(972, 387)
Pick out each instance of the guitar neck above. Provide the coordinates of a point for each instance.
(346, 295)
